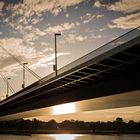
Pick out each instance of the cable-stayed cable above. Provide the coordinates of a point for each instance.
(33, 73)
(19, 61)
(5, 80)
(2, 89)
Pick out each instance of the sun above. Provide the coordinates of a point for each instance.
(64, 109)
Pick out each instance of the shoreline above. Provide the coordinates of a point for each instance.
(29, 133)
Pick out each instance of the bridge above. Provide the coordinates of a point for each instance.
(107, 77)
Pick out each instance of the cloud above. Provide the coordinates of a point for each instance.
(81, 38)
(67, 15)
(31, 34)
(87, 18)
(97, 4)
(1, 5)
(126, 22)
(48, 60)
(16, 47)
(48, 50)
(62, 27)
(22, 17)
(125, 6)
(72, 38)
(30, 12)
(23, 53)
(44, 44)
(102, 29)
(28, 8)
(99, 16)
(36, 20)
(96, 36)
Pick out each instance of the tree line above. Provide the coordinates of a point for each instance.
(118, 125)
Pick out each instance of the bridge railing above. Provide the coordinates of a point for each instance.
(105, 48)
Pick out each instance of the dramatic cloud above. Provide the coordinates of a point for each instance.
(30, 12)
(125, 6)
(22, 18)
(53, 6)
(127, 22)
(28, 8)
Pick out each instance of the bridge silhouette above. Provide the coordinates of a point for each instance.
(111, 71)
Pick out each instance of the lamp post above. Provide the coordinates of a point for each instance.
(7, 87)
(23, 84)
(55, 66)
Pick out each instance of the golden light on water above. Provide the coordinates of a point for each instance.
(65, 136)
(64, 109)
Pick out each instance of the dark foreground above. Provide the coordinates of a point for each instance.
(29, 127)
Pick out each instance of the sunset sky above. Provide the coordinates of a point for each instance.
(27, 30)
(127, 113)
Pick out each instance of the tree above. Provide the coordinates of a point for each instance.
(119, 120)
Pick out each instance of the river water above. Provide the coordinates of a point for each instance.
(70, 137)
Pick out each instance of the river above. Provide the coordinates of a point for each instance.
(70, 137)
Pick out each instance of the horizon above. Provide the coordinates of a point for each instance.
(127, 113)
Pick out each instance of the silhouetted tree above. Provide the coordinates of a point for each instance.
(118, 125)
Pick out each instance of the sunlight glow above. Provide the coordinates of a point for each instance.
(65, 136)
(64, 109)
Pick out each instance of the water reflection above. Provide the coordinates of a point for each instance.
(65, 136)
(43, 137)
(70, 137)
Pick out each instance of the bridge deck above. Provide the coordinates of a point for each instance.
(119, 58)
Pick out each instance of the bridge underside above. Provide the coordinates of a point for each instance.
(128, 99)
(113, 72)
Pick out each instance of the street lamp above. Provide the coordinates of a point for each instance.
(55, 66)
(23, 84)
(7, 87)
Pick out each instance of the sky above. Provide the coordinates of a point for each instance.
(27, 30)
(127, 113)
